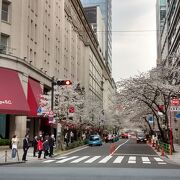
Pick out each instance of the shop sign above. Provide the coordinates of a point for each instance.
(9, 102)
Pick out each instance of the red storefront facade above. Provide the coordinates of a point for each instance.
(19, 101)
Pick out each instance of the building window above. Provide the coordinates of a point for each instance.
(5, 11)
(4, 43)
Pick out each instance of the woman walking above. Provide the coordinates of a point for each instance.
(14, 143)
(40, 147)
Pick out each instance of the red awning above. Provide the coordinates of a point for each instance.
(12, 97)
(34, 95)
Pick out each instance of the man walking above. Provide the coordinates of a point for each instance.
(35, 144)
(51, 145)
(25, 147)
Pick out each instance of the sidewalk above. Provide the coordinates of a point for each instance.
(175, 157)
(30, 157)
(20, 153)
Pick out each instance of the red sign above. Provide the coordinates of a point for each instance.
(175, 102)
(71, 109)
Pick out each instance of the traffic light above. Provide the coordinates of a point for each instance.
(64, 82)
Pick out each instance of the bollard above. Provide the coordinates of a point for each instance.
(5, 156)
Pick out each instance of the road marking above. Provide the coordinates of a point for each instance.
(75, 151)
(149, 155)
(132, 160)
(119, 147)
(118, 159)
(92, 159)
(162, 163)
(80, 159)
(62, 157)
(146, 160)
(48, 161)
(106, 159)
(158, 159)
(67, 159)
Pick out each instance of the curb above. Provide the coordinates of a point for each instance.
(70, 150)
(11, 163)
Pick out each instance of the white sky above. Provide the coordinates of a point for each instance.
(133, 52)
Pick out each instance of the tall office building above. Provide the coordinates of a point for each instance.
(94, 17)
(106, 10)
(169, 43)
(42, 41)
(160, 21)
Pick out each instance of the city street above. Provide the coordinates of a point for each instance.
(130, 160)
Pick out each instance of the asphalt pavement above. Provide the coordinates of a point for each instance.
(128, 161)
(127, 154)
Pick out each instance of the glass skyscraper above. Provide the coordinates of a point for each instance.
(106, 10)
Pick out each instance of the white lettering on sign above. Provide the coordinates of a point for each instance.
(6, 102)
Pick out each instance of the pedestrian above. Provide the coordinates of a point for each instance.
(14, 142)
(40, 147)
(25, 147)
(45, 148)
(71, 136)
(51, 145)
(35, 143)
(66, 139)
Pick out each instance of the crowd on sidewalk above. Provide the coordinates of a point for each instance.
(40, 145)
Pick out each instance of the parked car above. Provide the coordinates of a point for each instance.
(141, 138)
(125, 135)
(95, 140)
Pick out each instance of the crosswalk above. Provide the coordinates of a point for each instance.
(107, 159)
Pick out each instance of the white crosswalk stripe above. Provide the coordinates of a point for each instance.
(48, 161)
(132, 160)
(146, 160)
(118, 159)
(159, 161)
(106, 159)
(67, 159)
(80, 159)
(92, 159)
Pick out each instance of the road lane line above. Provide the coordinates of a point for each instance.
(75, 151)
(158, 159)
(67, 159)
(92, 159)
(49, 161)
(119, 147)
(118, 159)
(106, 159)
(80, 159)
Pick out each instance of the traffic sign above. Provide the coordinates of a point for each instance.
(150, 118)
(175, 102)
(175, 108)
(178, 116)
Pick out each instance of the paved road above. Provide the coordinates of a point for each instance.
(130, 161)
(68, 173)
(128, 154)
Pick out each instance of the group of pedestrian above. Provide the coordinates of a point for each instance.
(39, 144)
(45, 145)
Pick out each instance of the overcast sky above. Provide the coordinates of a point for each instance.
(133, 52)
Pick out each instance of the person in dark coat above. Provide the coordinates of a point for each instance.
(45, 148)
(51, 145)
(35, 143)
(25, 147)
